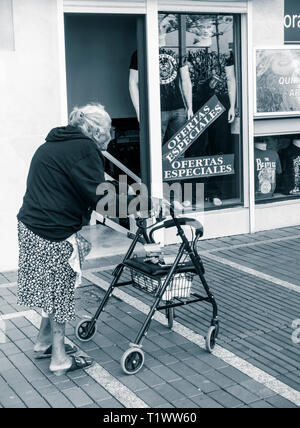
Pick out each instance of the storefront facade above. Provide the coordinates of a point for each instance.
(249, 167)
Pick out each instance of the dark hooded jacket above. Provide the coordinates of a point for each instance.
(61, 185)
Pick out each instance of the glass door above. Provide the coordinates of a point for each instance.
(201, 107)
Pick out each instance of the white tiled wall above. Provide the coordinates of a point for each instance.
(29, 107)
(268, 29)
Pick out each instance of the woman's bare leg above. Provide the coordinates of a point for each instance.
(44, 338)
(59, 360)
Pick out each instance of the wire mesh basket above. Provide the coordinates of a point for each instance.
(180, 285)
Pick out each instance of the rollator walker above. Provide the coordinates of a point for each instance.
(169, 284)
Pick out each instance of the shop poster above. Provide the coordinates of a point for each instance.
(205, 166)
(291, 21)
(277, 82)
(177, 168)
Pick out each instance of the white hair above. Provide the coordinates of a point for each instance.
(92, 119)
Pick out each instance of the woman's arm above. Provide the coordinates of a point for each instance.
(86, 175)
(109, 198)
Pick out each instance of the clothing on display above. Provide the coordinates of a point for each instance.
(169, 66)
(217, 139)
(195, 64)
(173, 107)
(267, 167)
(205, 65)
(290, 158)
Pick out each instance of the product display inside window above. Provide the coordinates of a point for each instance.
(199, 65)
(277, 167)
(201, 105)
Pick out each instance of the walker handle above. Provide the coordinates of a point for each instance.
(183, 221)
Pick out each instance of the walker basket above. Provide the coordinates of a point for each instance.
(180, 285)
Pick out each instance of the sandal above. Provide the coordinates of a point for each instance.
(78, 363)
(39, 355)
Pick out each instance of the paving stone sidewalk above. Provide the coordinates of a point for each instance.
(256, 325)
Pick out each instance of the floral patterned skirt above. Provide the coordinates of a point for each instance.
(46, 279)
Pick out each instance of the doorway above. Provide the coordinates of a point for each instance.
(98, 50)
(98, 55)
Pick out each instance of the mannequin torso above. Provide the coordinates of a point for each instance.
(291, 168)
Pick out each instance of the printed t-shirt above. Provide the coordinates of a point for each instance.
(267, 165)
(169, 67)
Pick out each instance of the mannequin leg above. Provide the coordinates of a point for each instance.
(165, 117)
(177, 121)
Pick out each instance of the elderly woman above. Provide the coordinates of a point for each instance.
(60, 197)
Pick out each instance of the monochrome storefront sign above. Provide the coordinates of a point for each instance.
(205, 166)
(192, 129)
(177, 168)
(277, 82)
(291, 21)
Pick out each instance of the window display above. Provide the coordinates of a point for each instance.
(277, 167)
(198, 67)
(277, 82)
(175, 83)
(267, 168)
(291, 168)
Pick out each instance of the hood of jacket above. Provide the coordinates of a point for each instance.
(65, 133)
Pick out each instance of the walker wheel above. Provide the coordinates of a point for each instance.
(211, 338)
(132, 360)
(170, 316)
(82, 328)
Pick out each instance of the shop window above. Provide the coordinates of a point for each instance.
(200, 96)
(277, 167)
(6, 26)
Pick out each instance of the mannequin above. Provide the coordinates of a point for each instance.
(207, 82)
(267, 168)
(203, 34)
(175, 84)
(290, 158)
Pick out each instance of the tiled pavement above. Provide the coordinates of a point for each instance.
(256, 326)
